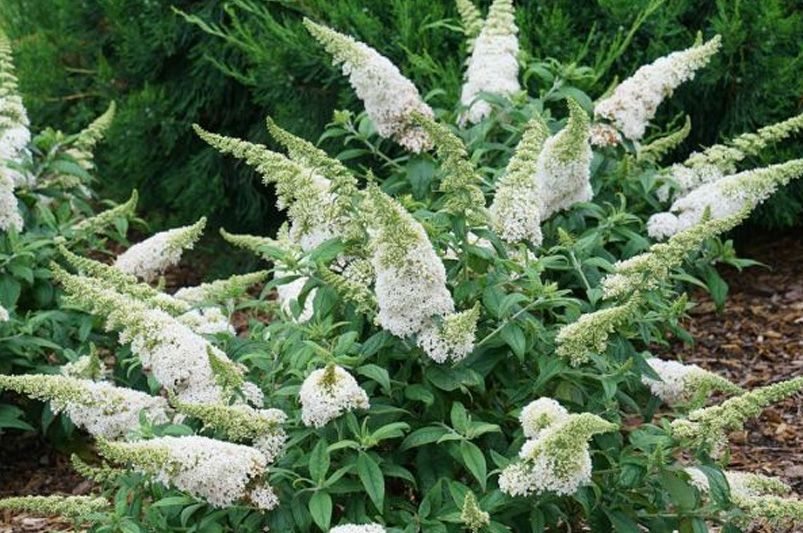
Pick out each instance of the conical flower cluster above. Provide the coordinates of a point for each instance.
(563, 169)
(221, 473)
(681, 383)
(493, 66)
(180, 360)
(389, 97)
(14, 133)
(151, 257)
(557, 460)
(328, 393)
(635, 101)
(707, 428)
(589, 333)
(471, 20)
(411, 283)
(99, 407)
(724, 197)
(515, 211)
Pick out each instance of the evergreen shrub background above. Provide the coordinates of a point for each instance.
(229, 64)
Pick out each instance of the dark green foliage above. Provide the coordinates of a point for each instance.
(226, 65)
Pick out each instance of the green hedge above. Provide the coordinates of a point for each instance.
(228, 64)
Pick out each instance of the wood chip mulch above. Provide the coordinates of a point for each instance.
(756, 340)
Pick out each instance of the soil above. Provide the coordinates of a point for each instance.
(755, 340)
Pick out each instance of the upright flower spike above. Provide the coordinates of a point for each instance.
(410, 277)
(299, 189)
(719, 160)
(471, 20)
(99, 407)
(589, 334)
(127, 284)
(106, 218)
(472, 515)
(563, 169)
(493, 66)
(222, 289)
(261, 246)
(658, 148)
(71, 507)
(178, 357)
(515, 211)
(241, 423)
(460, 181)
(686, 384)
(707, 428)
(558, 460)
(329, 392)
(724, 197)
(646, 271)
(14, 133)
(151, 257)
(388, 96)
(83, 147)
(221, 473)
(635, 101)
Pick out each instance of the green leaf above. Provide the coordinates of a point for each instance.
(474, 461)
(420, 173)
(419, 393)
(459, 418)
(679, 491)
(514, 337)
(372, 479)
(319, 461)
(622, 523)
(10, 417)
(716, 287)
(376, 373)
(320, 507)
(420, 437)
(172, 501)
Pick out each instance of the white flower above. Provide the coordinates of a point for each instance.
(634, 101)
(724, 197)
(327, 393)
(151, 257)
(539, 415)
(10, 216)
(206, 321)
(388, 96)
(698, 478)
(219, 472)
(3, 314)
(493, 67)
(563, 169)
(358, 528)
(288, 293)
(677, 380)
(603, 135)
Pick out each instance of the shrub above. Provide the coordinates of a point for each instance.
(462, 331)
(243, 59)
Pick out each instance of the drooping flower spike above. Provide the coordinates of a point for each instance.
(84, 145)
(635, 101)
(222, 289)
(686, 384)
(104, 219)
(493, 66)
(389, 97)
(724, 197)
(151, 257)
(221, 473)
(99, 407)
(72, 507)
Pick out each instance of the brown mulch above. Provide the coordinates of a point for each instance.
(756, 340)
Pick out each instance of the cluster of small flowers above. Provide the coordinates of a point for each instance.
(558, 459)
(86, 367)
(634, 101)
(493, 66)
(472, 516)
(72, 507)
(681, 383)
(87, 138)
(563, 169)
(222, 289)
(707, 428)
(178, 357)
(589, 333)
(10, 217)
(104, 219)
(288, 293)
(723, 197)
(14, 132)
(719, 160)
(471, 20)
(242, 423)
(515, 211)
(220, 472)
(453, 338)
(603, 135)
(151, 257)
(207, 321)
(388, 96)
(329, 392)
(358, 528)
(541, 414)
(99, 407)
(4, 316)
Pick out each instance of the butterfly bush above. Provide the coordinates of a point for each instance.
(456, 331)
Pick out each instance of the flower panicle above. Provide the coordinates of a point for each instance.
(658, 148)
(104, 219)
(72, 507)
(222, 289)
(589, 334)
(471, 21)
